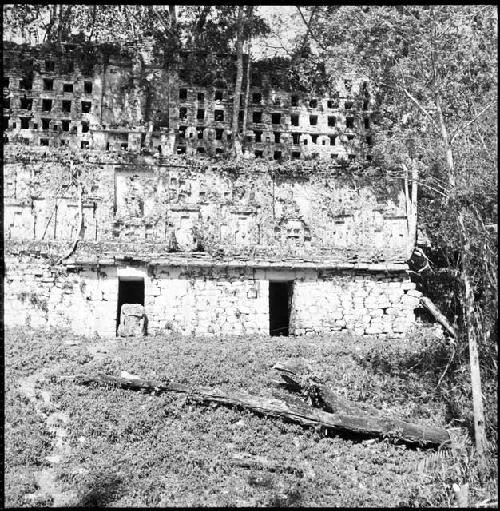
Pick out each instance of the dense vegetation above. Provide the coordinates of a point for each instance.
(133, 449)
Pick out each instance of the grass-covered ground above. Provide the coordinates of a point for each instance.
(130, 449)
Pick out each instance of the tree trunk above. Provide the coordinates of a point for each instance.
(468, 311)
(302, 414)
(247, 92)
(173, 16)
(468, 305)
(237, 87)
(60, 24)
(411, 207)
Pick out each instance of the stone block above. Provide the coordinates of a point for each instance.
(414, 292)
(410, 301)
(154, 291)
(374, 330)
(408, 285)
(132, 320)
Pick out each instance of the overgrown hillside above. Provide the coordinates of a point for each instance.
(71, 445)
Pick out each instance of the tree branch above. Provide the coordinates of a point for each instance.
(412, 98)
(472, 121)
(309, 30)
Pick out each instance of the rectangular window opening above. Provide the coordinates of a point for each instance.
(313, 120)
(48, 84)
(86, 106)
(276, 118)
(68, 87)
(257, 117)
(26, 103)
(87, 87)
(256, 97)
(66, 106)
(280, 301)
(219, 115)
(295, 120)
(26, 83)
(130, 291)
(46, 105)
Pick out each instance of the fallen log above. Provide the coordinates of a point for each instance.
(304, 414)
(322, 397)
(440, 318)
(137, 384)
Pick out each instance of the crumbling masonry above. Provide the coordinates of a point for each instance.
(115, 192)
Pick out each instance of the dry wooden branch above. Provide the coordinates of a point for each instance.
(440, 318)
(132, 384)
(252, 461)
(321, 396)
(301, 414)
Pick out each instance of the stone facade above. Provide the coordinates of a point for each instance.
(101, 210)
(117, 99)
(216, 300)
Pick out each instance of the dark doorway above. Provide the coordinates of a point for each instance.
(130, 290)
(280, 300)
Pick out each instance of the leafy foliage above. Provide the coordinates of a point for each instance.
(170, 452)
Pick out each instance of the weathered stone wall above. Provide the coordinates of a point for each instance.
(370, 304)
(92, 140)
(40, 294)
(194, 206)
(115, 100)
(206, 301)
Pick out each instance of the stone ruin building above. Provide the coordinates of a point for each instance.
(120, 209)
